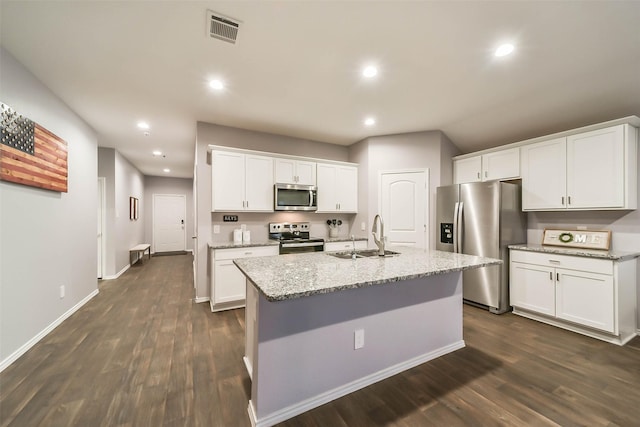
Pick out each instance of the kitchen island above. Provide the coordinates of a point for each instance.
(319, 327)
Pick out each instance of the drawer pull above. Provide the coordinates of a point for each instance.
(554, 261)
(248, 253)
(557, 277)
(550, 276)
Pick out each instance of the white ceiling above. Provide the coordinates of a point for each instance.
(295, 69)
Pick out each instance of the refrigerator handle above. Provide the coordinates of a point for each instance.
(455, 227)
(459, 231)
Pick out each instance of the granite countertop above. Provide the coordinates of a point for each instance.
(285, 277)
(231, 245)
(590, 253)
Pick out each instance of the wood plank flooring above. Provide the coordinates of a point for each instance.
(141, 353)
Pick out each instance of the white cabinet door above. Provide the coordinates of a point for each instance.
(532, 287)
(585, 298)
(285, 171)
(596, 169)
(327, 188)
(306, 172)
(289, 171)
(504, 164)
(227, 181)
(467, 170)
(230, 283)
(347, 191)
(259, 183)
(544, 175)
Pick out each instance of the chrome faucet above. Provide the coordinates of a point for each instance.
(378, 240)
(353, 252)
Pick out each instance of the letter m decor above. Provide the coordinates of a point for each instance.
(30, 154)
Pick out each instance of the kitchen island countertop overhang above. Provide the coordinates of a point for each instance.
(285, 277)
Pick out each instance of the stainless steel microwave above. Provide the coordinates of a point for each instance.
(294, 197)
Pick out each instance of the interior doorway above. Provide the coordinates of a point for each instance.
(101, 224)
(404, 206)
(169, 231)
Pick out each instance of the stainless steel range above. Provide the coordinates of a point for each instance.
(294, 237)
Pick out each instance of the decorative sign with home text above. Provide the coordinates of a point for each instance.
(578, 239)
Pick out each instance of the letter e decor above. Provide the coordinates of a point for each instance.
(30, 154)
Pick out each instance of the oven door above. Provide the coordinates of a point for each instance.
(301, 247)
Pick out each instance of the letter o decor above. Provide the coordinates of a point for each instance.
(565, 237)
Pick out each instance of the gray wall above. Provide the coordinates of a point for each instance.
(164, 185)
(48, 238)
(419, 150)
(123, 180)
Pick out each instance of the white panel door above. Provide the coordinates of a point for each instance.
(227, 181)
(467, 170)
(101, 224)
(347, 188)
(403, 201)
(306, 173)
(327, 196)
(259, 183)
(169, 212)
(533, 287)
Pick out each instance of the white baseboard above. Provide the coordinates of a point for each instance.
(33, 341)
(118, 274)
(306, 405)
(201, 299)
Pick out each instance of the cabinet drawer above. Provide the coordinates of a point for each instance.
(592, 265)
(248, 252)
(344, 246)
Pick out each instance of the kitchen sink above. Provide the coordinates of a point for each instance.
(362, 254)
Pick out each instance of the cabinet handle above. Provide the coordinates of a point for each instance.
(478, 175)
(568, 200)
(247, 204)
(248, 253)
(557, 277)
(486, 174)
(562, 200)
(554, 261)
(550, 276)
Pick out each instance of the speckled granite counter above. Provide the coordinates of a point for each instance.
(590, 253)
(286, 277)
(231, 245)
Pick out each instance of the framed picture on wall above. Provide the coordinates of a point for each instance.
(132, 208)
(135, 208)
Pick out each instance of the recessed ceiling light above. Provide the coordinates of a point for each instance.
(369, 71)
(504, 50)
(166, 170)
(157, 153)
(216, 84)
(143, 125)
(369, 121)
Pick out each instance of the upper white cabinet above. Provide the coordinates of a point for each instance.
(337, 188)
(290, 171)
(585, 171)
(241, 182)
(500, 165)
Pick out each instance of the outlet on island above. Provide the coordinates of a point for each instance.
(358, 339)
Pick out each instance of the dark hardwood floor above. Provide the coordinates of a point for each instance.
(141, 353)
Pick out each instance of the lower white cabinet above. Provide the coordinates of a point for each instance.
(228, 284)
(592, 296)
(344, 246)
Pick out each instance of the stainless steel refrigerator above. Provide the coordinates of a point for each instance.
(482, 218)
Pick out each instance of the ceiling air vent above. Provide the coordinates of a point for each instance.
(222, 27)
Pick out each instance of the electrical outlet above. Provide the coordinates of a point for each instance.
(216, 229)
(61, 291)
(363, 226)
(358, 339)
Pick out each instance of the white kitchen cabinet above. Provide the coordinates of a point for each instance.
(586, 171)
(592, 296)
(291, 171)
(344, 246)
(496, 165)
(241, 182)
(228, 284)
(337, 188)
